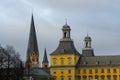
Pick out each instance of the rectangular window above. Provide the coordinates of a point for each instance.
(62, 61)
(79, 78)
(62, 78)
(69, 78)
(114, 70)
(115, 77)
(102, 77)
(69, 61)
(90, 71)
(108, 77)
(84, 78)
(69, 71)
(90, 77)
(102, 70)
(54, 72)
(84, 71)
(96, 70)
(108, 70)
(96, 77)
(62, 71)
(54, 61)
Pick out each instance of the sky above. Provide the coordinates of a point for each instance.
(99, 18)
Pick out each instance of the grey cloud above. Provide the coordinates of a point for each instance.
(98, 17)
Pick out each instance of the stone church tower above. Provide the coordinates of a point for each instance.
(32, 60)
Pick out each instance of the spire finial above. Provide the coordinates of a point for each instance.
(66, 21)
(87, 34)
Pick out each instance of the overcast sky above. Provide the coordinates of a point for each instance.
(99, 18)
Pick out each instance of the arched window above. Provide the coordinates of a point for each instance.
(65, 34)
(86, 44)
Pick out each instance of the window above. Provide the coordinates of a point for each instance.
(69, 71)
(69, 78)
(62, 71)
(79, 78)
(90, 77)
(62, 78)
(102, 70)
(69, 61)
(114, 77)
(108, 77)
(96, 70)
(62, 61)
(84, 71)
(114, 70)
(84, 78)
(54, 72)
(96, 77)
(90, 71)
(102, 77)
(54, 61)
(108, 70)
(46, 66)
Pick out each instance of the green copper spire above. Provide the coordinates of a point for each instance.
(32, 43)
(45, 59)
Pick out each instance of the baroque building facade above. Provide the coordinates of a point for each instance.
(66, 63)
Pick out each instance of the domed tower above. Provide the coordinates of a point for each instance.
(65, 57)
(87, 50)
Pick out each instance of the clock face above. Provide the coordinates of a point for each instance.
(33, 57)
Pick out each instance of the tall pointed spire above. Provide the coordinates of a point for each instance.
(45, 59)
(32, 51)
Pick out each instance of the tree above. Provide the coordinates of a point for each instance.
(10, 64)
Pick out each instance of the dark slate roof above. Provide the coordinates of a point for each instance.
(32, 43)
(66, 26)
(38, 72)
(87, 52)
(87, 38)
(66, 47)
(99, 60)
(47, 69)
(45, 59)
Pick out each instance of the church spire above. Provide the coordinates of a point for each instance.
(45, 60)
(32, 51)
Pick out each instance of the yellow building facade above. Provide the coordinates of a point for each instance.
(66, 63)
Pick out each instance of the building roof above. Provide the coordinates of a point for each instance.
(32, 43)
(99, 61)
(87, 52)
(66, 47)
(38, 72)
(87, 38)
